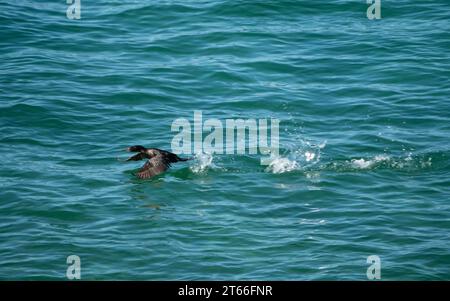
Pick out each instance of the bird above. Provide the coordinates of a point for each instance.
(158, 160)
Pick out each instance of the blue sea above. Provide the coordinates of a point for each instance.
(364, 150)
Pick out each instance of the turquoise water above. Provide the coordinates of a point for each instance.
(364, 116)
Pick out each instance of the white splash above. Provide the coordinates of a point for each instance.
(322, 145)
(202, 162)
(361, 163)
(364, 164)
(297, 157)
(282, 165)
(309, 156)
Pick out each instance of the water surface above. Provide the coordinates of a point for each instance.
(365, 153)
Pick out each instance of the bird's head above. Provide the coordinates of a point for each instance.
(136, 148)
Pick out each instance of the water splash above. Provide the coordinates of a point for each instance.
(369, 163)
(306, 157)
(282, 165)
(405, 162)
(296, 157)
(202, 161)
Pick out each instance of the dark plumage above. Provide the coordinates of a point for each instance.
(158, 160)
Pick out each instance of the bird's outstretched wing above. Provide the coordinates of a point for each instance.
(155, 166)
(137, 157)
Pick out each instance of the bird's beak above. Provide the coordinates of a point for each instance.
(127, 149)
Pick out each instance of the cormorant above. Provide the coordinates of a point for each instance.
(158, 160)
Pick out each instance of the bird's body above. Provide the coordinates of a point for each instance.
(158, 160)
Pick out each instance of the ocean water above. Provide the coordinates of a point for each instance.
(364, 160)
